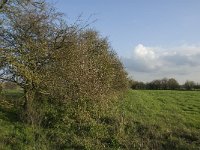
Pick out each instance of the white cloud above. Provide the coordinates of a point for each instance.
(147, 63)
(144, 52)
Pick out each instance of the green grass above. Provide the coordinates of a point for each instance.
(168, 108)
(14, 134)
(153, 120)
(9, 117)
(170, 118)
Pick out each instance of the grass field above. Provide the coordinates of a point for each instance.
(168, 117)
(156, 119)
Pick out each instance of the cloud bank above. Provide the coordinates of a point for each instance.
(148, 63)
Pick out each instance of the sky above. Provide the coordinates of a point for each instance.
(153, 38)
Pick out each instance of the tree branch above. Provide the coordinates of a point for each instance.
(3, 3)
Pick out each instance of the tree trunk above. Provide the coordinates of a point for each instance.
(29, 109)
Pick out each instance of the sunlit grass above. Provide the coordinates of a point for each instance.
(172, 116)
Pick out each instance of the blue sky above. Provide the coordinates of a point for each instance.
(154, 38)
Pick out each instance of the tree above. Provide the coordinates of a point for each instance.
(189, 85)
(164, 84)
(69, 73)
(51, 59)
(155, 84)
(137, 85)
(197, 86)
(173, 84)
(26, 35)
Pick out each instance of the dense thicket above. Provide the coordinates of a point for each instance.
(69, 73)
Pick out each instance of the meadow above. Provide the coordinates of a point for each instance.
(164, 117)
(156, 119)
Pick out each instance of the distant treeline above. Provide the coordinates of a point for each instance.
(164, 84)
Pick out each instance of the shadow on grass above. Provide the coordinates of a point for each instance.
(9, 114)
(10, 104)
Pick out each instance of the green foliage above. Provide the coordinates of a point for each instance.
(71, 78)
(73, 82)
(55, 62)
(71, 127)
(163, 84)
(89, 70)
(173, 84)
(143, 120)
(189, 85)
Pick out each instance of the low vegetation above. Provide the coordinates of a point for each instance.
(164, 119)
(149, 119)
